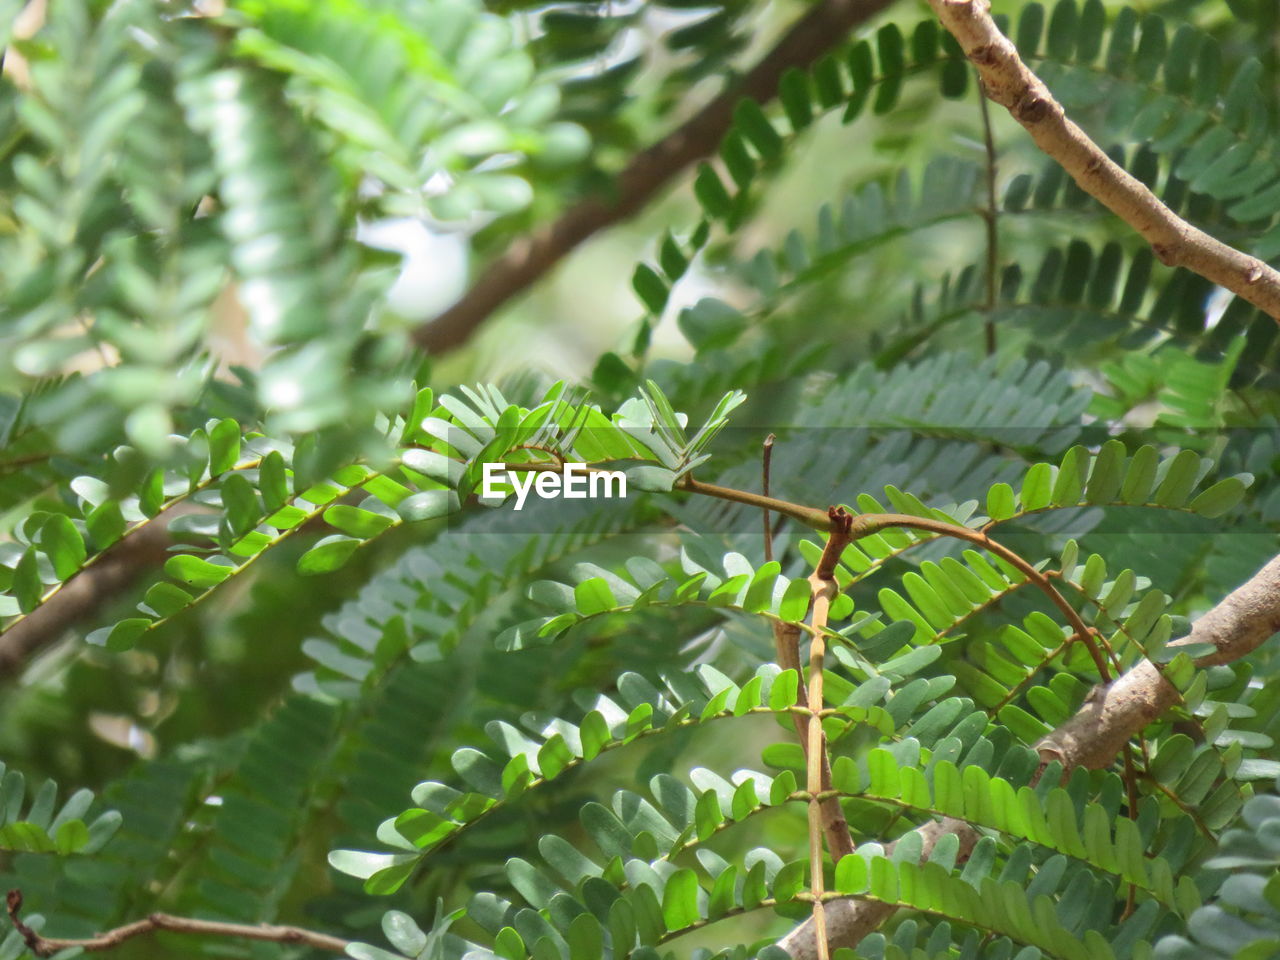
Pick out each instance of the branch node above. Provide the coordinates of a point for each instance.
(1031, 108)
(983, 55)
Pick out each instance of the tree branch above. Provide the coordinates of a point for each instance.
(104, 578)
(528, 258)
(47, 946)
(1111, 715)
(1009, 82)
(1114, 713)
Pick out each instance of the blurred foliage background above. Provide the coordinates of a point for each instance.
(245, 212)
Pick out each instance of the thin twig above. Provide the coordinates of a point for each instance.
(765, 456)
(1009, 82)
(865, 524)
(786, 642)
(528, 259)
(991, 219)
(47, 946)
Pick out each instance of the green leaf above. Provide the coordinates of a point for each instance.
(650, 288)
(327, 555)
(356, 522)
(26, 586)
(434, 465)
(711, 194)
(594, 596)
(784, 690)
(1095, 572)
(795, 601)
(1107, 474)
(167, 599)
(71, 837)
(793, 91)
(273, 481)
(1220, 498)
(363, 864)
(62, 542)
(1000, 503)
(1141, 475)
(586, 938)
(711, 324)
(240, 503)
(750, 119)
(1069, 483)
(151, 493)
(656, 479)
(224, 446)
(428, 505)
(759, 594)
(1179, 479)
(196, 571)
(680, 900)
(508, 945)
(105, 524)
(121, 636)
(595, 734)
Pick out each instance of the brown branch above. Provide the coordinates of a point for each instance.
(835, 828)
(1009, 82)
(824, 589)
(105, 577)
(991, 220)
(1114, 713)
(1111, 716)
(526, 260)
(786, 643)
(766, 457)
(865, 524)
(869, 523)
(47, 946)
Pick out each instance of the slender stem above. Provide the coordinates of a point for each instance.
(874, 522)
(47, 946)
(824, 588)
(786, 642)
(809, 516)
(766, 456)
(990, 217)
(816, 749)
(864, 525)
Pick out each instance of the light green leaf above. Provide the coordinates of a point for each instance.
(196, 571)
(795, 601)
(594, 596)
(680, 900)
(1037, 487)
(327, 555)
(356, 522)
(224, 446)
(1000, 502)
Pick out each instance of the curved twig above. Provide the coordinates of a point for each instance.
(43, 946)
